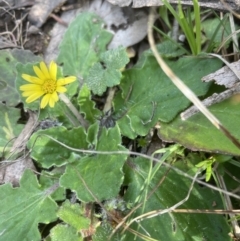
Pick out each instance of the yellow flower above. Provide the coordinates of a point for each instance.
(45, 84)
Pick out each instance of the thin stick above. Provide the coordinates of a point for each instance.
(228, 203)
(167, 210)
(184, 174)
(204, 211)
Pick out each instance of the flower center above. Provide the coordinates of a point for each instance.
(49, 86)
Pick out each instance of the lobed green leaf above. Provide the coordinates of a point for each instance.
(9, 128)
(197, 133)
(87, 106)
(8, 60)
(23, 208)
(98, 176)
(148, 95)
(74, 215)
(83, 42)
(48, 152)
(107, 73)
(63, 232)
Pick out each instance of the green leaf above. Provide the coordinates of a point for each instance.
(82, 44)
(48, 179)
(115, 58)
(107, 73)
(174, 226)
(64, 233)
(209, 27)
(168, 49)
(87, 106)
(104, 231)
(23, 208)
(148, 95)
(48, 152)
(97, 176)
(8, 61)
(206, 165)
(74, 215)
(92, 135)
(9, 129)
(197, 132)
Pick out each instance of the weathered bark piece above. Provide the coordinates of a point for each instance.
(41, 10)
(225, 75)
(128, 26)
(213, 4)
(213, 99)
(13, 171)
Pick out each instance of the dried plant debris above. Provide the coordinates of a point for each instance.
(214, 4)
(41, 10)
(227, 76)
(11, 171)
(14, 3)
(128, 26)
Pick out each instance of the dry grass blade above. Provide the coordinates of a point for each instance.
(167, 210)
(182, 87)
(226, 5)
(228, 204)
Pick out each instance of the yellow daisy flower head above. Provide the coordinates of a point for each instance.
(45, 84)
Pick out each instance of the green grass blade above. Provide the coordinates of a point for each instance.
(197, 24)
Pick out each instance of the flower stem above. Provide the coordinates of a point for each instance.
(72, 118)
(69, 104)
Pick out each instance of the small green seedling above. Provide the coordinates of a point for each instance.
(207, 165)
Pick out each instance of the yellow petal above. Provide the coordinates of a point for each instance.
(28, 93)
(32, 79)
(61, 89)
(55, 96)
(33, 97)
(53, 70)
(65, 81)
(39, 73)
(44, 70)
(52, 102)
(30, 87)
(45, 101)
